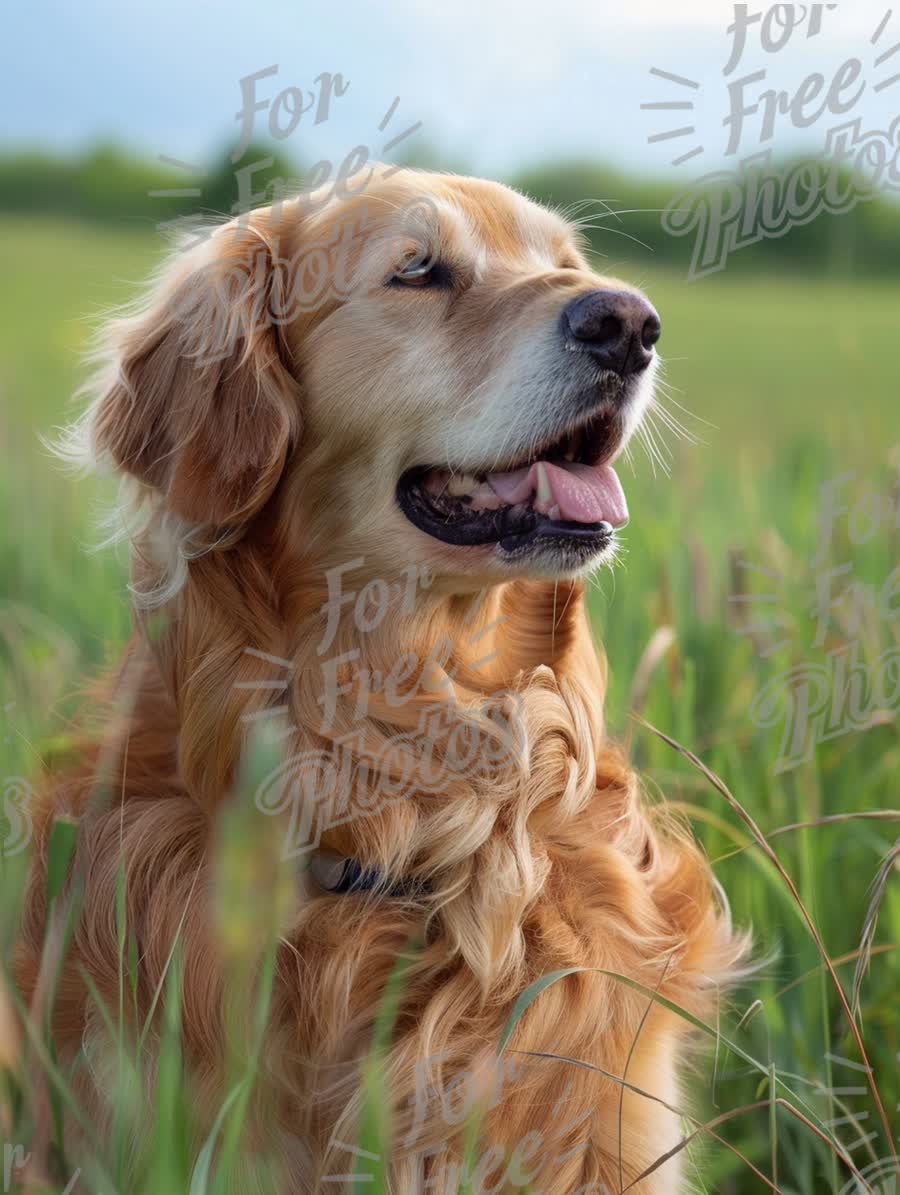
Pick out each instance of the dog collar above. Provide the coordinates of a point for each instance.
(341, 875)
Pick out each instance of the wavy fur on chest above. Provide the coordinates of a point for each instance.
(553, 861)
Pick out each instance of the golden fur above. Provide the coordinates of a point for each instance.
(259, 453)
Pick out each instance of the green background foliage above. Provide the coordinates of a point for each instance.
(788, 366)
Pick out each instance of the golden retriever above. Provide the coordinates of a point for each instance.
(366, 442)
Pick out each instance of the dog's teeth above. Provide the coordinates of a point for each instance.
(544, 492)
(570, 455)
(484, 498)
(461, 483)
(554, 514)
(436, 482)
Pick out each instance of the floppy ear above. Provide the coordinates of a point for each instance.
(200, 403)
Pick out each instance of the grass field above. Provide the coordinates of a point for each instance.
(793, 384)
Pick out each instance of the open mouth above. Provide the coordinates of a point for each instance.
(562, 494)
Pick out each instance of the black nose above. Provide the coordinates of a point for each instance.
(618, 328)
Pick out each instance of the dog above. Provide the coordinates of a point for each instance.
(366, 443)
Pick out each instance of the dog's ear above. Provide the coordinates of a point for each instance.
(201, 403)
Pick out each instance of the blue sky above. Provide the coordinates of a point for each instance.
(496, 83)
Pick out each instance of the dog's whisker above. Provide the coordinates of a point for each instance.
(618, 232)
(686, 411)
(658, 423)
(641, 435)
(657, 409)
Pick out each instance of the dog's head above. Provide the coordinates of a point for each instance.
(419, 368)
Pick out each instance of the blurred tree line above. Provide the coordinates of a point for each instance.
(623, 216)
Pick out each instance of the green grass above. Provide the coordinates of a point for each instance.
(797, 382)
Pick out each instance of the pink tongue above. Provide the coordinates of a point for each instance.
(583, 493)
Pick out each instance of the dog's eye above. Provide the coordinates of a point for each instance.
(415, 273)
(420, 272)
